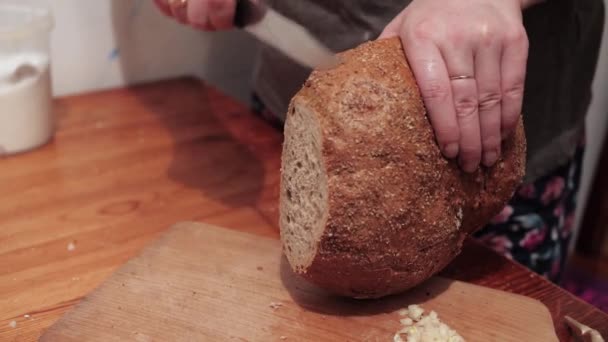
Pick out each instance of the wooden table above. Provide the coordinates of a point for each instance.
(128, 163)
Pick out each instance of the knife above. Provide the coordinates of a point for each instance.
(583, 332)
(285, 35)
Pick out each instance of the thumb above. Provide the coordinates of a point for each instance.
(393, 28)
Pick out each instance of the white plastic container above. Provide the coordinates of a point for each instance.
(26, 111)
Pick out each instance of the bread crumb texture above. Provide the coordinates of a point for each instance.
(418, 327)
(369, 206)
(275, 305)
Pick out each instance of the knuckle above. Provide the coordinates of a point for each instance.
(490, 142)
(487, 35)
(434, 91)
(471, 152)
(487, 41)
(516, 36)
(447, 134)
(509, 121)
(489, 100)
(466, 106)
(197, 18)
(457, 37)
(218, 5)
(424, 30)
(514, 91)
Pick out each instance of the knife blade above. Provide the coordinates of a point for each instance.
(285, 35)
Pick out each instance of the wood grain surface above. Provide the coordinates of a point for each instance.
(128, 163)
(204, 283)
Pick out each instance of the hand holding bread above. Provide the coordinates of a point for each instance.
(469, 59)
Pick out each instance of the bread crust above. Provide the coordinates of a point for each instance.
(398, 211)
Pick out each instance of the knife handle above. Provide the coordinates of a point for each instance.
(247, 12)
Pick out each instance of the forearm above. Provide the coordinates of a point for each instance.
(529, 3)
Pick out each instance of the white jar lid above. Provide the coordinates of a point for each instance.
(21, 18)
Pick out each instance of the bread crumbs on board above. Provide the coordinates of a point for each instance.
(275, 305)
(418, 327)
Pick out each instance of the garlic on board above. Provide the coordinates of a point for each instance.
(418, 327)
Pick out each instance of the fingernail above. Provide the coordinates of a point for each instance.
(450, 150)
(489, 158)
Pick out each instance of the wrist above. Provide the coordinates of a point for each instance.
(528, 3)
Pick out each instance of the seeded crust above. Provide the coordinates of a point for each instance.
(396, 210)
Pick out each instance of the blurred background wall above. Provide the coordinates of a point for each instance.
(107, 43)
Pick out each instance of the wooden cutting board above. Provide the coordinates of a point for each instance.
(205, 283)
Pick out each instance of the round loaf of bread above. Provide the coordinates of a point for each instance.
(369, 206)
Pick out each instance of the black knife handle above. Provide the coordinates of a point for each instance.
(247, 12)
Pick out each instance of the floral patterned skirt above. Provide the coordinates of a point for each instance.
(534, 229)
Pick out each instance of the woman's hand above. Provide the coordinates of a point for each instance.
(469, 60)
(208, 15)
